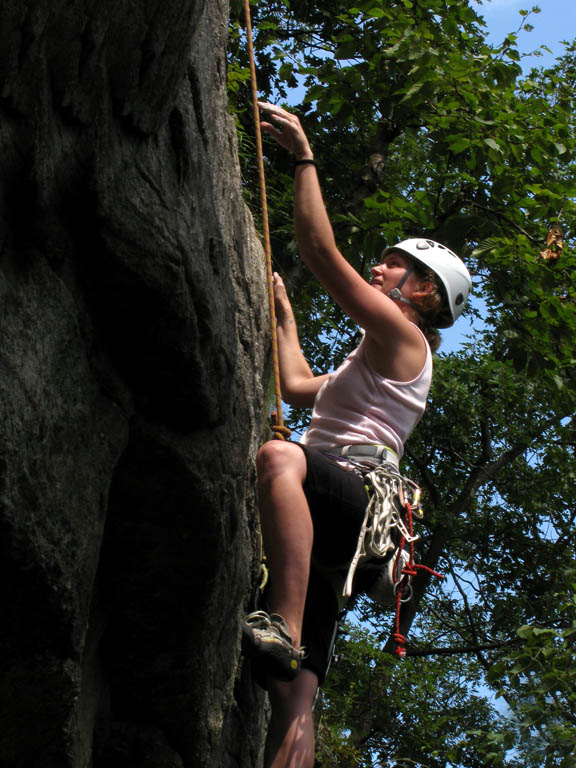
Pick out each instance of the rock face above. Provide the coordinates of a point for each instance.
(132, 354)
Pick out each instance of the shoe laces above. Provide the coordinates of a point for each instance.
(274, 624)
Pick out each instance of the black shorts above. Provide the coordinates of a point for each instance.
(337, 500)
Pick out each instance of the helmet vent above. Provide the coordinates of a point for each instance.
(459, 299)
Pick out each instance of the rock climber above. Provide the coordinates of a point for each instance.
(311, 504)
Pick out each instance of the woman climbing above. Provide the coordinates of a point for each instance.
(311, 504)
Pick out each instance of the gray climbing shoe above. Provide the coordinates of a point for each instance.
(266, 640)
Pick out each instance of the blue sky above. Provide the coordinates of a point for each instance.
(555, 22)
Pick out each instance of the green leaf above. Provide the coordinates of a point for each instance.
(493, 144)
(459, 144)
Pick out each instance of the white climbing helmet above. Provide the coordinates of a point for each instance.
(447, 266)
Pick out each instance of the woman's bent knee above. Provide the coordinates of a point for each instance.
(277, 457)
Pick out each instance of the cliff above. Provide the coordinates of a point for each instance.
(133, 353)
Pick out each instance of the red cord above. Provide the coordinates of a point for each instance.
(409, 570)
(398, 637)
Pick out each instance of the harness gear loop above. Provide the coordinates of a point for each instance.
(383, 516)
(280, 432)
(387, 534)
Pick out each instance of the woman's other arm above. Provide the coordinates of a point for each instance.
(298, 383)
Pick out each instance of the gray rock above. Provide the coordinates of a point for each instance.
(133, 353)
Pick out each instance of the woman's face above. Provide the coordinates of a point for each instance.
(387, 274)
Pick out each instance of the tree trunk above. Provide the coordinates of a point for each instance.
(133, 355)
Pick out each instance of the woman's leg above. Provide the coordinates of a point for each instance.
(290, 742)
(286, 530)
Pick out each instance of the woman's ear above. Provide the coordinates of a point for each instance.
(423, 288)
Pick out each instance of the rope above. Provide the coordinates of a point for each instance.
(280, 432)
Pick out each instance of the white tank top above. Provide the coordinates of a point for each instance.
(358, 405)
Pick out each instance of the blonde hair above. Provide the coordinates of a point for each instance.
(430, 305)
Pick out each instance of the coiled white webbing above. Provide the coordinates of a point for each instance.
(390, 492)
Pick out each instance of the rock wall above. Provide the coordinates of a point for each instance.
(132, 355)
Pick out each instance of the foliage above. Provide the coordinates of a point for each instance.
(374, 711)
(542, 675)
(422, 128)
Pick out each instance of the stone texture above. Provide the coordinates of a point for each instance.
(132, 358)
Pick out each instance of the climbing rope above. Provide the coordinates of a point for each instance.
(280, 432)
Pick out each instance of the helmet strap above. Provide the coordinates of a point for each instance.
(396, 293)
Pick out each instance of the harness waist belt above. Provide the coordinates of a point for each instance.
(382, 453)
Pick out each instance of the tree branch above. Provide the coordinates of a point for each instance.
(503, 217)
(453, 650)
(422, 466)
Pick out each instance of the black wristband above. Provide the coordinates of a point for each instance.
(305, 162)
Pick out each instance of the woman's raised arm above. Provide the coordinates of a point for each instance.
(391, 335)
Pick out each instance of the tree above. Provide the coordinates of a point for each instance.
(421, 127)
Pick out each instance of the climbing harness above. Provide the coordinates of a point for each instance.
(280, 431)
(384, 521)
(386, 540)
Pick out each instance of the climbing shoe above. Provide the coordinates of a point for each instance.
(266, 640)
